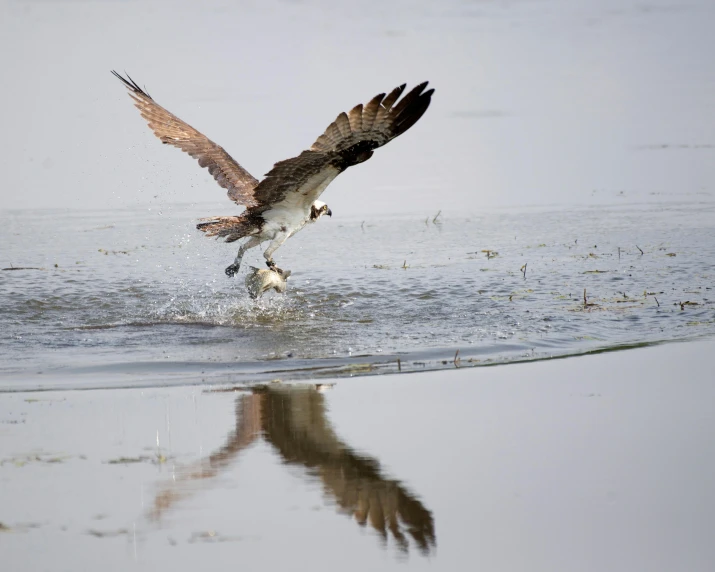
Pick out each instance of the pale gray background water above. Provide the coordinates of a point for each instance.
(537, 102)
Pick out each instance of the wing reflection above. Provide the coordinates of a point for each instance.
(293, 420)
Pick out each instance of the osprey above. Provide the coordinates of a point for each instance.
(287, 198)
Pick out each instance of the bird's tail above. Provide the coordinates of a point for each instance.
(229, 227)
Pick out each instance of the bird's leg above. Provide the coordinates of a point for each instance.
(250, 243)
(272, 247)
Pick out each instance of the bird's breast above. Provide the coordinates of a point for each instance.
(283, 220)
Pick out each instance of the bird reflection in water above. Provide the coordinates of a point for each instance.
(293, 420)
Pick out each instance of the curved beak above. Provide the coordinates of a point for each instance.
(329, 213)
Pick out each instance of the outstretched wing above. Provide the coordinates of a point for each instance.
(238, 182)
(347, 141)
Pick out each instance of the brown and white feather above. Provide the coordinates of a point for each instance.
(171, 130)
(347, 141)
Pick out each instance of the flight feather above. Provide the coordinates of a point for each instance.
(171, 130)
(347, 141)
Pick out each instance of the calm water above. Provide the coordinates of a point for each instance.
(604, 462)
(138, 296)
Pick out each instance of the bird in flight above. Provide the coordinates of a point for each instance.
(287, 198)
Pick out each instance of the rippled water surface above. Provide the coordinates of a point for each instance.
(138, 296)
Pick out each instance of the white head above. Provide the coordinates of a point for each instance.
(318, 209)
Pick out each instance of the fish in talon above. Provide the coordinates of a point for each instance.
(260, 280)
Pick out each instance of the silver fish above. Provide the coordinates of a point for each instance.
(258, 281)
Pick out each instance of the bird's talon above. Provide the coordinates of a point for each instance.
(232, 270)
(271, 264)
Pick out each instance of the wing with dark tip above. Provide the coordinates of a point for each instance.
(377, 122)
(347, 141)
(238, 182)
